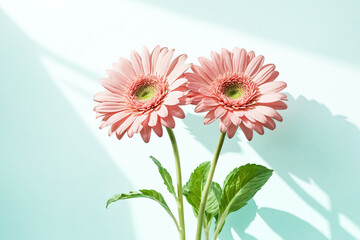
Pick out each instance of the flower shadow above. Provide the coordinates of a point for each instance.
(315, 146)
(312, 145)
(208, 134)
(55, 177)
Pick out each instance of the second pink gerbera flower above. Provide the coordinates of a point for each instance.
(237, 88)
(143, 94)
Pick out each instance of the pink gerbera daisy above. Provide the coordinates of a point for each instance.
(237, 88)
(143, 93)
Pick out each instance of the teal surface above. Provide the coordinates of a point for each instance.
(55, 178)
(326, 27)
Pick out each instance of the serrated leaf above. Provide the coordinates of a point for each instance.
(240, 186)
(193, 191)
(165, 176)
(150, 194)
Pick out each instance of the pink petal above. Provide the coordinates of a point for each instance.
(168, 121)
(259, 128)
(210, 101)
(120, 136)
(234, 118)
(249, 116)
(136, 63)
(126, 68)
(254, 66)
(153, 119)
(154, 56)
(146, 133)
(115, 126)
(177, 83)
(112, 86)
(272, 87)
(227, 60)
(268, 111)
(146, 60)
(107, 97)
(278, 105)
(209, 117)
(162, 111)
(226, 120)
(218, 66)
(114, 118)
(249, 57)
(199, 71)
(165, 63)
(258, 116)
(208, 67)
(117, 77)
(239, 60)
(264, 74)
(272, 97)
(220, 111)
(247, 123)
(248, 132)
(158, 129)
(231, 130)
(197, 85)
(270, 124)
(222, 127)
(273, 76)
(278, 117)
(177, 68)
(124, 126)
(173, 98)
(176, 111)
(109, 107)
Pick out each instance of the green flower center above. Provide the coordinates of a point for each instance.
(234, 91)
(145, 92)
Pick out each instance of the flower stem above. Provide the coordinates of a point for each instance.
(179, 199)
(207, 187)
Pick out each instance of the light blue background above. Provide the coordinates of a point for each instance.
(56, 173)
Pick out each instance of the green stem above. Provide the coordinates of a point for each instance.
(179, 199)
(206, 233)
(207, 187)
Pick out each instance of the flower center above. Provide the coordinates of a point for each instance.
(234, 90)
(145, 92)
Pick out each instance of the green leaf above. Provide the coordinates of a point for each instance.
(193, 191)
(240, 186)
(151, 194)
(165, 176)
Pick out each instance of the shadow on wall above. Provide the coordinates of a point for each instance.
(195, 126)
(314, 146)
(325, 27)
(55, 178)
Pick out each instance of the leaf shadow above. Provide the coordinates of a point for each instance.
(315, 146)
(55, 177)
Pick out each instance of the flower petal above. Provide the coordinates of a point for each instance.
(248, 132)
(272, 97)
(145, 58)
(210, 117)
(231, 130)
(158, 129)
(162, 111)
(264, 74)
(254, 66)
(176, 111)
(146, 133)
(272, 87)
(220, 111)
(136, 63)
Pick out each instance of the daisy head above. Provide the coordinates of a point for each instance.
(237, 88)
(143, 93)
